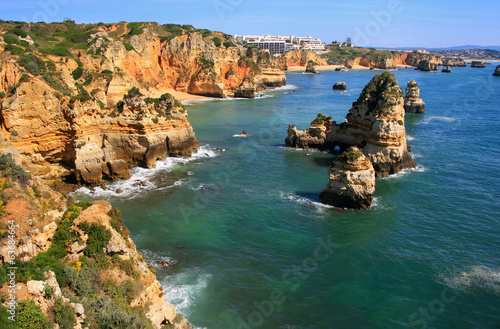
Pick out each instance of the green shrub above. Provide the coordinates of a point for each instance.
(9, 39)
(77, 73)
(83, 281)
(101, 104)
(30, 316)
(320, 118)
(99, 237)
(109, 314)
(228, 44)
(217, 41)
(14, 50)
(64, 315)
(106, 72)
(205, 63)
(128, 46)
(4, 315)
(133, 92)
(2, 94)
(56, 85)
(187, 27)
(19, 32)
(24, 78)
(155, 120)
(32, 64)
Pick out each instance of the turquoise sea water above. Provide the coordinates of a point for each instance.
(255, 249)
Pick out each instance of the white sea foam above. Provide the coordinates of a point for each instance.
(438, 118)
(474, 278)
(239, 135)
(410, 138)
(181, 289)
(267, 93)
(304, 201)
(405, 172)
(142, 179)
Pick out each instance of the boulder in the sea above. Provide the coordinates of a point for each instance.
(413, 104)
(244, 133)
(314, 137)
(352, 181)
(310, 67)
(477, 65)
(446, 69)
(340, 86)
(427, 65)
(497, 72)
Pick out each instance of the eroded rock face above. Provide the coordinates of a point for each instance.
(300, 57)
(413, 104)
(375, 124)
(427, 65)
(310, 68)
(497, 72)
(352, 181)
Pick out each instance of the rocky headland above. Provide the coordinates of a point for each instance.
(413, 104)
(86, 103)
(477, 65)
(375, 124)
(76, 262)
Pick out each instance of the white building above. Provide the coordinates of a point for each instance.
(280, 44)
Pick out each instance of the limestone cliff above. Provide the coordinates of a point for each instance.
(300, 57)
(413, 104)
(375, 123)
(477, 65)
(454, 62)
(65, 106)
(310, 68)
(84, 259)
(352, 181)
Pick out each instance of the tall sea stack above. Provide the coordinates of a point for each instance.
(352, 181)
(413, 104)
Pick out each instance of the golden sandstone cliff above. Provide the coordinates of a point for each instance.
(97, 109)
(75, 263)
(375, 124)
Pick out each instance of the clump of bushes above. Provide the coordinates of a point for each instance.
(32, 64)
(320, 118)
(8, 168)
(217, 41)
(29, 315)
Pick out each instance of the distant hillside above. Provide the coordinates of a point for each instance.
(488, 54)
(497, 48)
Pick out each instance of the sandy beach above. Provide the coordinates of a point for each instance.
(179, 95)
(325, 68)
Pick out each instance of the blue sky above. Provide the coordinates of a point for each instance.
(383, 23)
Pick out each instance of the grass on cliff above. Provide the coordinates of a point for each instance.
(339, 55)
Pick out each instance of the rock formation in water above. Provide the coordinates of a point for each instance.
(310, 67)
(477, 65)
(340, 86)
(426, 65)
(446, 69)
(413, 104)
(375, 123)
(454, 62)
(352, 181)
(497, 72)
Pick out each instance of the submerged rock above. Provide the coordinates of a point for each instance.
(446, 69)
(352, 181)
(497, 72)
(413, 104)
(340, 86)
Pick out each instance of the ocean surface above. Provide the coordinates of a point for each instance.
(255, 249)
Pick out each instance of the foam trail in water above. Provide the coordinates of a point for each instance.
(181, 289)
(142, 178)
(405, 172)
(474, 278)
